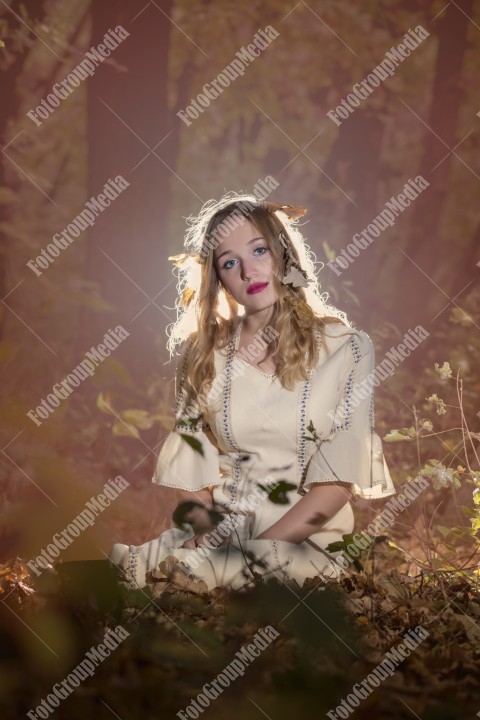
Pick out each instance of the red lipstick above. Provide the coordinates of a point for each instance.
(256, 288)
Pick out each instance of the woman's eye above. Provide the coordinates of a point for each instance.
(262, 249)
(227, 266)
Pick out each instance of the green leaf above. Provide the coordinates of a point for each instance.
(194, 443)
(443, 530)
(475, 525)
(337, 546)
(279, 493)
(191, 422)
(445, 371)
(442, 476)
(439, 404)
(398, 435)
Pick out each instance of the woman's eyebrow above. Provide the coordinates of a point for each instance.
(226, 252)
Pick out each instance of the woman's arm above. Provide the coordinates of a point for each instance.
(308, 515)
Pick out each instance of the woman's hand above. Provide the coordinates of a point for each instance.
(203, 521)
(190, 543)
(194, 542)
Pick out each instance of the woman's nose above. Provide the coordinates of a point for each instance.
(248, 270)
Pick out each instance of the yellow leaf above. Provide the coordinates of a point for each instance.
(329, 252)
(460, 317)
(104, 403)
(140, 418)
(125, 430)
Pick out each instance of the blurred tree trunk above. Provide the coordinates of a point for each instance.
(8, 91)
(424, 243)
(354, 164)
(7, 110)
(127, 117)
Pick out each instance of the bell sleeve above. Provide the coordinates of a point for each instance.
(353, 453)
(179, 464)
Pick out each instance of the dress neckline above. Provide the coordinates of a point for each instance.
(260, 372)
(236, 343)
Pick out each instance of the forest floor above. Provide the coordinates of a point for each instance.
(327, 637)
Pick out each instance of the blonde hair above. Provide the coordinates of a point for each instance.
(207, 314)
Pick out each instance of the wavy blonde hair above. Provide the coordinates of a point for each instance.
(207, 314)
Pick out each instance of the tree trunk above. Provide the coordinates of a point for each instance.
(127, 244)
(424, 244)
(7, 110)
(354, 164)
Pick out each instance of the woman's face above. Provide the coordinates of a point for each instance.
(245, 266)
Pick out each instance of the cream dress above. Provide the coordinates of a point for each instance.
(254, 433)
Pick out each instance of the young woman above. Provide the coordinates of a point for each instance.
(274, 418)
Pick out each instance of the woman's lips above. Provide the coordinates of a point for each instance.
(256, 288)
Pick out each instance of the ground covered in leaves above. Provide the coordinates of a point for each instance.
(331, 636)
